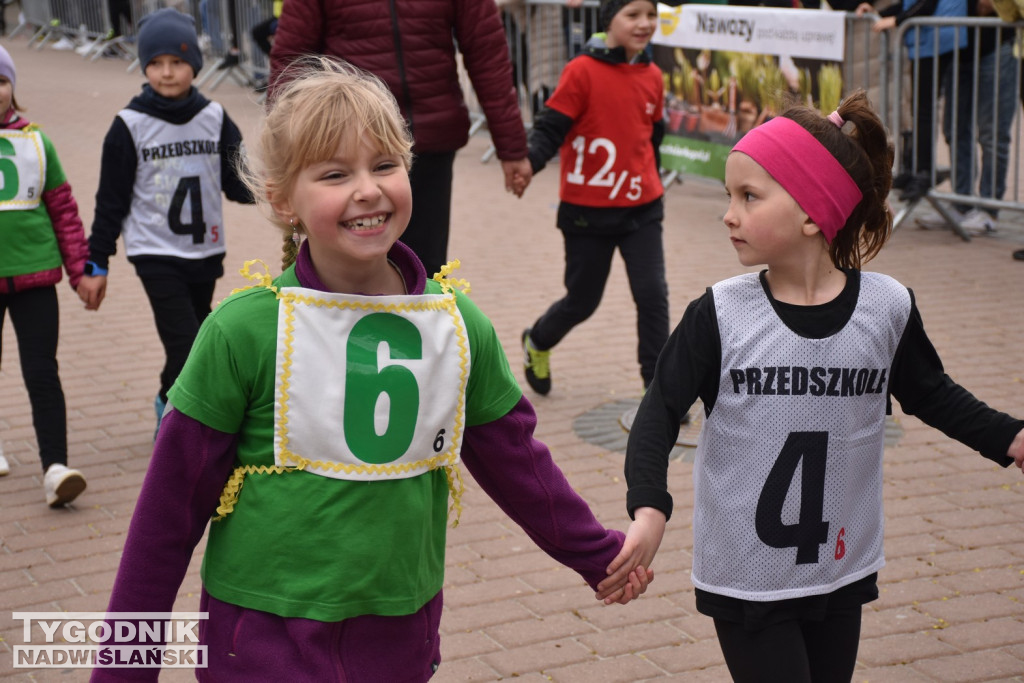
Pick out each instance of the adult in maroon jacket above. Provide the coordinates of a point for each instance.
(410, 45)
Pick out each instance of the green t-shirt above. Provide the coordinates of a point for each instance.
(303, 545)
(29, 167)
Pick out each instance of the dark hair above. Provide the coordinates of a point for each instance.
(862, 146)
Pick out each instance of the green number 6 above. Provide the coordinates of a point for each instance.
(8, 171)
(364, 384)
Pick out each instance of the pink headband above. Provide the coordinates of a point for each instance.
(805, 169)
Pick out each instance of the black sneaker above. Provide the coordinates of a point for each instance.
(536, 365)
(1018, 255)
(917, 188)
(900, 180)
(227, 61)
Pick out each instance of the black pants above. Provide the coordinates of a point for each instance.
(36, 319)
(928, 91)
(427, 234)
(120, 9)
(588, 260)
(179, 308)
(262, 33)
(794, 651)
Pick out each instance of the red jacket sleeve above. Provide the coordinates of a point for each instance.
(481, 39)
(67, 224)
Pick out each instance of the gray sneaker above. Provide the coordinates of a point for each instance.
(978, 222)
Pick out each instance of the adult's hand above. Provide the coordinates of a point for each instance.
(884, 24)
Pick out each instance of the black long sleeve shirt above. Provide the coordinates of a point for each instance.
(118, 166)
(689, 367)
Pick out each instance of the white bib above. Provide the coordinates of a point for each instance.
(22, 170)
(176, 208)
(383, 383)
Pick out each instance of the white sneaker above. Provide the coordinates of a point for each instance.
(933, 220)
(5, 468)
(64, 43)
(62, 485)
(978, 222)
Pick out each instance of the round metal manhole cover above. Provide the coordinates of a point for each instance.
(608, 426)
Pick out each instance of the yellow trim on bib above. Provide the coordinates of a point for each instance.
(233, 486)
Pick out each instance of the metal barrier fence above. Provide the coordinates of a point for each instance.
(229, 25)
(90, 27)
(94, 28)
(974, 97)
(542, 36)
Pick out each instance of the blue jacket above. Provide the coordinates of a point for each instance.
(921, 42)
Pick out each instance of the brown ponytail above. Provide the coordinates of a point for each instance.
(289, 251)
(862, 146)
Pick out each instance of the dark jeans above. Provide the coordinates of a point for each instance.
(179, 308)
(427, 234)
(928, 92)
(36, 320)
(996, 108)
(588, 260)
(796, 651)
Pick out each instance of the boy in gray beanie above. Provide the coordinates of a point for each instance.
(167, 159)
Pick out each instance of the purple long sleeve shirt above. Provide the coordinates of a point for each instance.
(180, 494)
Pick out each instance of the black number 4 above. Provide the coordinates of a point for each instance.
(811, 531)
(188, 187)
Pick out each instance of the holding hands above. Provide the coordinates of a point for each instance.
(91, 291)
(517, 175)
(628, 574)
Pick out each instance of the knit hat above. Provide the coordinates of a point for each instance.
(169, 32)
(607, 11)
(7, 66)
(609, 8)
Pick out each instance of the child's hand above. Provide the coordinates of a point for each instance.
(642, 541)
(91, 290)
(517, 175)
(635, 586)
(1016, 450)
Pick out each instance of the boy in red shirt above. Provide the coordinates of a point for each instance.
(605, 119)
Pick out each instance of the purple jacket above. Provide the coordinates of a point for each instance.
(179, 495)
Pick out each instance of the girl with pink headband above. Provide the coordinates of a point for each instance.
(795, 366)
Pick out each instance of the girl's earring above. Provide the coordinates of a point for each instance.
(295, 231)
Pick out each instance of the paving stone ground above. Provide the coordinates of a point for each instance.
(952, 593)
